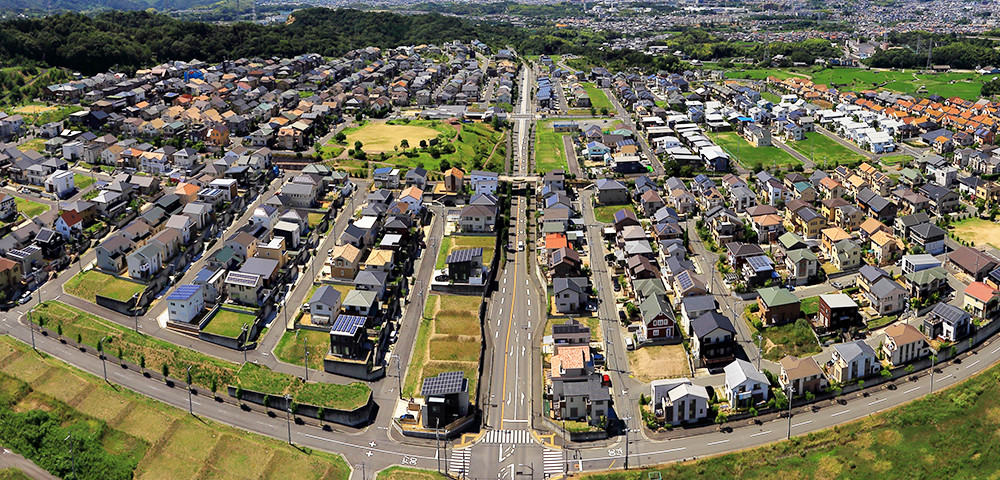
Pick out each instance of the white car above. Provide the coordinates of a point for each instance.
(520, 246)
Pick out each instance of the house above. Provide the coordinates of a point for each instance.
(802, 374)
(386, 177)
(685, 284)
(924, 283)
(183, 225)
(484, 182)
(678, 401)
(347, 336)
(713, 340)
(111, 253)
(947, 322)
(185, 303)
(144, 263)
(885, 295)
(61, 183)
(611, 192)
(693, 307)
(570, 293)
(837, 311)
(852, 361)
(446, 399)
(801, 265)
(69, 224)
(929, 237)
(658, 322)
(982, 300)
(372, 281)
(830, 236)
(918, 262)
(454, 180)
(361, 303)
(846, 255)
(777, 306)
(324, 305)
(884, 247)
(903, 343)
(465, 264)
(477, 219)
(564, 262)
(8, 206)
(744, 385)
(416, 177)
(570, 332)
(972, 262)
(650, 202)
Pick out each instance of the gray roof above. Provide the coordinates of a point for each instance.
(711, 321)
(851, 350)
(949, 314)
(885, 286)
(698, 303)
(740, 371)
(591, 388)
(360, 298)
(371, 277)
(326, 295)
(576, 284)
(464, 255)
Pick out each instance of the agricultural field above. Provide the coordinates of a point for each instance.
(606, 213)
(753, 157)
(899, 444)
(825, 151)
(124, 435)
(208, 372)
(454, 242)
(29, 208)
(550, 153)
(87, 285)
(598, 99)
(902, 160)
(448, 339)
(977, 231)
(966, 85)
(229, 321)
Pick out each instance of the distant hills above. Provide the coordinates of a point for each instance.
(39, 6)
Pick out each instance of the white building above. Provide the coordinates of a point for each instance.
(185, 303)
(60, 183)
(745, 386)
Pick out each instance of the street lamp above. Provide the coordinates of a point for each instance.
(933, 361)
(399, 378)
(135, 307)
(244, 329)
(288, 416)
(790, 391)
(305, 359)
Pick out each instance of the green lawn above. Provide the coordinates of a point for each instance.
(606, 213)
(229, 321)
(36, 144)
(749, 156)
(29, 208)
(121, 434)
(331, 150)
(549, 152)
(82, 181)
(809, 305)
(825, 151)
(791, 339)
(207, 370)
(290, 348)
(458, 242)
(87, 285)
(404, 473)
(899, 444)
(477, 147)
(903, 160)
(598, 99)
(771, 97)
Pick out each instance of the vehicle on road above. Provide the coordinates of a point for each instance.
(24, 298)
(520, 246)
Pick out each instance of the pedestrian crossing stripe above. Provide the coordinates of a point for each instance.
(459, 462)
(507, 436)
(552, 463)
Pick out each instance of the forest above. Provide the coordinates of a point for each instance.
(703, 45)
(125, 41)
(962, 53)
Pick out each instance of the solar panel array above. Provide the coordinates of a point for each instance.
(183, 292)
(684, 280)
(348, 324)
(443, 384)
(464, 255)
(240, 278)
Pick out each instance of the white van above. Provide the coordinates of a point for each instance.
(629, 344)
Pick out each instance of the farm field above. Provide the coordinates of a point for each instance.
(751, 157)
(966, 85)
(898, 444)
(976, 231)
(903, 160)
(550, 153)
(825, 151)
(87, 285)
(29, 208)
(123, 434)
(207, 370)
(598, 99)
(454, 242)
(448, 339)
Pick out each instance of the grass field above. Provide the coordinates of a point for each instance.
(663, 361)
(87, 285)
(82, 181)
(825, 151)
(36, 144)
(290, 349)
(448, 340)
(378, 137)
(161, 441)
(977, 231)
(15, 474)
(229, 321)
(29, 208)
(809, 305)
(549, 152)
(598, 99)
(771, 97)
(403, 473)
(899, 444)
(750, 156)
(791, 339)
(903, 160)
(331, 150)
(206, 369)
(606, 213)
(966, 85)
(454, 242)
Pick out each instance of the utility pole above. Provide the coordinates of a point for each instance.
(288, 416)
(790, 391)
(244, 329)
(933, 361)
(437, 442)
(135, 306)
(104, 363)
(626, 441)
(399, 378)
(72, 454)
(760, 351)
(190, 402)
(305, 359)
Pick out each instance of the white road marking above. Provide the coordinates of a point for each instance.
(718, 442)
(877, 401)
(910, 390)
(946, 376)
(995, 350)
(973, 364)
(529, 302)
(840, 413)
(505, 290)
(802, 423)
(759, 433)
(497, 334)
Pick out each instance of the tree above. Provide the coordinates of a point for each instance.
(79, 339)
(423, 143)
(321, 414)
(861, 384)
(886, 374)
(142, 362)
(909, 369)
(593, 111)
(187, 378)
(404, 143)
(165, 370)
(810, 396)
(59, 329)
(991, 88)
(121, 354)
(604, 111)
(239, 395)
(340, 137)
(213, 387)
(358, 145)
(445, 165)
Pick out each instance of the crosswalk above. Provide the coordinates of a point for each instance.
(552, 462)
(507, 436)
(458, 465)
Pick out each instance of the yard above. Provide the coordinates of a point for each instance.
(229, 321)
(606, 213)
(749, 156)
(36, 144)
(791, 339)
(448, 339)
(899, 444)
(977, 231)
(598, 99)
(550, 153)
(809, 305)
(146, 438)
(207, 370)
(825, 151)
(654, 362)
(82, 181)
(290, 347)
(457, 242)
(87, 285)
(29, 208)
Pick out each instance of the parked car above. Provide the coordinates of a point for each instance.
(606, 380)
(24, 298)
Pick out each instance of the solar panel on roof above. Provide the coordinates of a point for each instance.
(443, 384)
(684, 279)
(347, 324)
(183, 292)
(240, 278)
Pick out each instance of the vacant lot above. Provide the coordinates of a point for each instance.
(606, 213)
(825, 151)
(791, 339)
(654, 362)
(82, 181)
(29, 208)
(380, 137)
(36, 144)
(598, 99)
(550, 153)
(159, 441)
(902, 160)
(458, 242)
(809, 305)
(448, 340)
(290, 348)
(229, 321)
(966, 85)
(87, 285)
(752, 157)
(977, 231)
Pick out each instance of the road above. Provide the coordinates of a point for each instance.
(626, 119)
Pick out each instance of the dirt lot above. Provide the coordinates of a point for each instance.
(978, 231)
(663, 361)
(380, 137)
(35, 109)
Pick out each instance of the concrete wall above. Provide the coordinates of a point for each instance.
(353, 370)
(352, 418)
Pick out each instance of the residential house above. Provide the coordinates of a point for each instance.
(777, 306)
(837, 311)
(982, 300)
(802, 374)
(477, 219)
(324, 305)
(111, 253)
(570, 294)
(846, 255)
(972, 262)
(611, 192)
(745, 386)
(924, 283)
(903, 343)
(801, 265)
(185, 303)
(852, 361)
(948, 323)
(713, 340)
(677, 401)
(658, 321)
